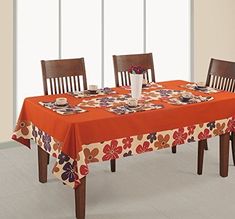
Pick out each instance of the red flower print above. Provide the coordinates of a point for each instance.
(112, 151)
(204, 135)
(231, 125)
(127, 142)
(179, 136)
(143, 148)
(191, 129)
(84, 170)
(90, 156)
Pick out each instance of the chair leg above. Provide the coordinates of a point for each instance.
(42, 165)
(224, 154)
(113, 165)
(173, 149)
(233, 146)
(206, 146)
(80, 199)
(201, 148)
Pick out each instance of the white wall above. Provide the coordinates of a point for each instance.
(214, 33)
(6, 69)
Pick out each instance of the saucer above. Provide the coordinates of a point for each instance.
(93, 91)
(200, 87)
(134, 107)
(61, 105)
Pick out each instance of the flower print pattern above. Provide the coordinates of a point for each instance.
(127, 154)
(127, 142)
(84, 170)
(23, 127)
(112, 150)
(191, 129)
(57, 146)
(180, 136)
(231, 125)
(70, 172)
(143, 148)
(152, 137)
(90, 155)
(211, 125)
(191, 139)
(47, 140)
(34, 132)
(162, 141)
(63, 158)
(219, 130)
(204, 135)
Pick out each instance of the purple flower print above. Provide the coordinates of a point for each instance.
(63, 158)
(152, 137)
(34, 132)
(46, 140)
(69, 172)
(211, 125)
(165, 93)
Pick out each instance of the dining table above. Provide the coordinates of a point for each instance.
(102, 126)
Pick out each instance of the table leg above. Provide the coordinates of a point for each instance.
(233, 146)
(173, 149)
(113, 165)
(201, 147)
(206, 145)
(42, 165)
(80, 199)
(224, 154)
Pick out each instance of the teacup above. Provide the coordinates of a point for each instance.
(144, 81)
(132, 102)
(93, 87)
(186, 96)
(61, 101)
(200, 84)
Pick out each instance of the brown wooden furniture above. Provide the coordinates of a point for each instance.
(123, 62)
(64, 75)
(221, 75)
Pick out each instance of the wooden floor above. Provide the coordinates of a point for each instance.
(157, 185)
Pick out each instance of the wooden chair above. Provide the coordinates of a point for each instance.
(121, 65)
(221, 75)
(123, 62)
(64, 75)
(61, 76)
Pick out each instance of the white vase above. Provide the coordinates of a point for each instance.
(136, 85)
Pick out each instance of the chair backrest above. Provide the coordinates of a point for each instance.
(122, 63)
(221, 75)
(64, 75)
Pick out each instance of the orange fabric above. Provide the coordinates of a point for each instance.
(98, 124)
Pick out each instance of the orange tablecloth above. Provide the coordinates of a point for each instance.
(98, 135)
(100, 125)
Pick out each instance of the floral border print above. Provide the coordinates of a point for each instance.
(71, 170)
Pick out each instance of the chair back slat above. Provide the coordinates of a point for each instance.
(123, 62)
(63, 75)
(221, 75)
